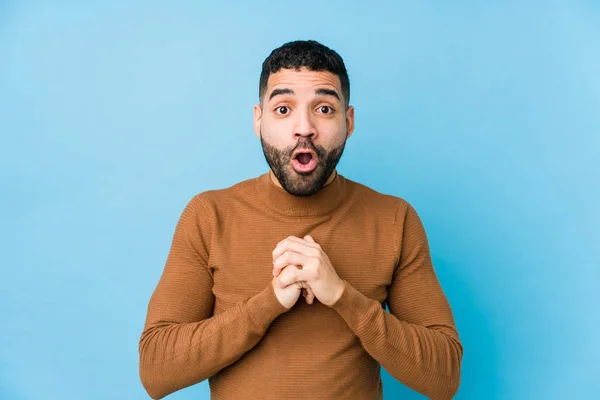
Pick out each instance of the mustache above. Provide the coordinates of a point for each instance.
(306, 143)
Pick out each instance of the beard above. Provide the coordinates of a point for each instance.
(297, 183)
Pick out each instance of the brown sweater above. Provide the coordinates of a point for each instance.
(214, 314)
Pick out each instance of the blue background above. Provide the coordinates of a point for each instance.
(484, 116)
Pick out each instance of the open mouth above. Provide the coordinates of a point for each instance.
(304, 161)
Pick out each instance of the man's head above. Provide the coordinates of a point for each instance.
(304, 117)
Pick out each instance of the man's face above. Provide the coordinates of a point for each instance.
(303, 125)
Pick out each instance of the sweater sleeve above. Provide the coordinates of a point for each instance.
(182, 342)
(417, 341)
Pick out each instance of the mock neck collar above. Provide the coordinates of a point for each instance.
(325, 201)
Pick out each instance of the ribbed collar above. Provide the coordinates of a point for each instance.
(323, 202)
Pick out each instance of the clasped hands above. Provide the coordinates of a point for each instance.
(301, 266)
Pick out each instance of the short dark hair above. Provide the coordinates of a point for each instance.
(309, 54)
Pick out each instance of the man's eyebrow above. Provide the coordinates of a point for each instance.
(328, 92)
(276, 92)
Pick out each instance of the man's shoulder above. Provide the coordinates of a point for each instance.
(212, 198)
(384, 206)
(377, 200)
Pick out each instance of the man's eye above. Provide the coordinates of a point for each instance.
(282, 110)
(325, 109)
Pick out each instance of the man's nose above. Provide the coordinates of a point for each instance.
(304, 125)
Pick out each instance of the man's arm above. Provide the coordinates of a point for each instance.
(182, 342)
(417, 341)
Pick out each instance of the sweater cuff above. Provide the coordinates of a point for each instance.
(353, 306)
(264, 307)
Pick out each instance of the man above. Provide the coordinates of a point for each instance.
(228, 306)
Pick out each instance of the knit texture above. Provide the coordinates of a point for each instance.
(214, 314)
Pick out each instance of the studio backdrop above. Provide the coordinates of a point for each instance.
(485, 116)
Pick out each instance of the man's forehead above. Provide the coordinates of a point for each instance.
(302, 77)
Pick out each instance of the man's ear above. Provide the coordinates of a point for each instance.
(350, 120)
(257, 119)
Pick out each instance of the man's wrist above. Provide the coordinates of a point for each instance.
(339, 292)
(264, 307)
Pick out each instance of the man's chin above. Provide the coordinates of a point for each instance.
(300, 184)
(302, 192)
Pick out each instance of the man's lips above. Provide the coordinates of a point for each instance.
(299, 167)
(303, 151)
(307, 166)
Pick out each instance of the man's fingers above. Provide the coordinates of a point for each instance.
(291, 275)
(309, 239)
(296, 244)
(310, 296)
(287, 258)
(286, 275)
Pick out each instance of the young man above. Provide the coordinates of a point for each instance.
(228, 306)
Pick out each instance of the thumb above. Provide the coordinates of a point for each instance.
(309, 238)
